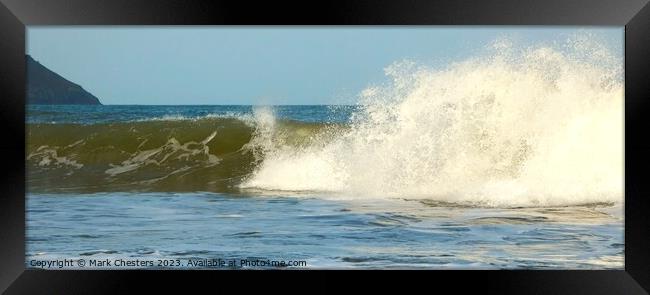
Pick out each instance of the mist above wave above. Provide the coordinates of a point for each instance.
(513, 126)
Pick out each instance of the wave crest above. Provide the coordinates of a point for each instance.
(530, 126)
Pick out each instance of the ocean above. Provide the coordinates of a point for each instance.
(388, 185)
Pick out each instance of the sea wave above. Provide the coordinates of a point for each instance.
(514, 126)
(211, 153)
(533, 126)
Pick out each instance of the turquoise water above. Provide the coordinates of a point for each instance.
(156, 218)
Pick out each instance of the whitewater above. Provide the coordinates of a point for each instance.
(515, 126)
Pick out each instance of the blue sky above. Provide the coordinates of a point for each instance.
(259, 65)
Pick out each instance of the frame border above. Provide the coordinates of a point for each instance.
(15, 15)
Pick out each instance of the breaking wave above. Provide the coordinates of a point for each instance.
(533, 126)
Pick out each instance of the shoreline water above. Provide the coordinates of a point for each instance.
(389, 233)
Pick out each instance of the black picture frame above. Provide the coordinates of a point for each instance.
(15, 15)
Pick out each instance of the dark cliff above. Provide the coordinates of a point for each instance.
(47, 87)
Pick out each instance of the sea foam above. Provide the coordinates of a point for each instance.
(513, 126)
